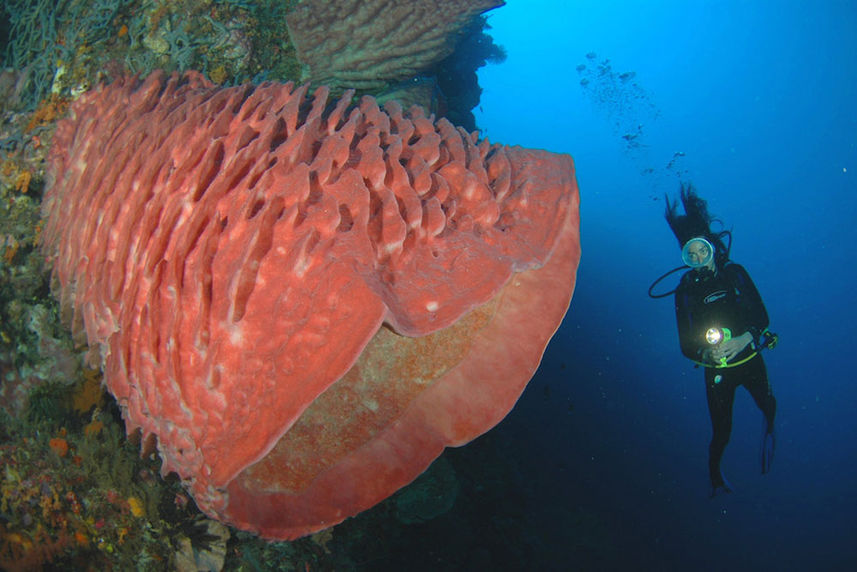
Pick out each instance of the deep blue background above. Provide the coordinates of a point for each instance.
(613, 430)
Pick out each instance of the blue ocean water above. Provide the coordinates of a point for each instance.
(754, 103)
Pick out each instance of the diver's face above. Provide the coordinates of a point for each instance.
(697, 252)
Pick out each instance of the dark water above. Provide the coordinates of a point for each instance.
(753, 103)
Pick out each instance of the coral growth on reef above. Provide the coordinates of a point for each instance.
(66, 499)
(233, 263)
(372, 44)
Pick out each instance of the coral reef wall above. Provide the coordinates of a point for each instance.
(372, 44)
(76, 490)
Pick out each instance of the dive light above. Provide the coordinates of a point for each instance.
(715, 336)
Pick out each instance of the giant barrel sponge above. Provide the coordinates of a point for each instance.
(303, 300)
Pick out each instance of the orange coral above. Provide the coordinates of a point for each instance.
(20, 177)
(59, 446)
(12, 246)
(81, 538)
(49, 110)
(136, 506)
(22, 181)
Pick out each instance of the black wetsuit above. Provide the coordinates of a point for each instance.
(728, 299)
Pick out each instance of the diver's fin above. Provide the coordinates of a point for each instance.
(767, 452)
(722, 486)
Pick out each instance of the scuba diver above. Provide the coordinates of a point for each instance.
(722, 326)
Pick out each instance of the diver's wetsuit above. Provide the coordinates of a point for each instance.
(728, 299)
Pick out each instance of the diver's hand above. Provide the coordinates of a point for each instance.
(730, 348)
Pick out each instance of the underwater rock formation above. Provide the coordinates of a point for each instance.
(304, 301)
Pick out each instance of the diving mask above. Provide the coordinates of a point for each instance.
(697, 252)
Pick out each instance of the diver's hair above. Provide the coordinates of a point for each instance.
(695, 222)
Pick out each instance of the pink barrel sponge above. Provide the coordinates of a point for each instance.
(305, 301)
